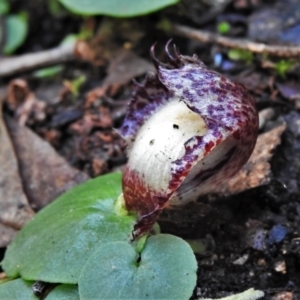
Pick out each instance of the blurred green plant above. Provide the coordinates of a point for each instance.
(240, 55)
(74, 85)
(164, 25)
(283, 66)
(116, 8)
(14, 28)
(4, 7)
(48, 72)
(56, 8)
(223, 27)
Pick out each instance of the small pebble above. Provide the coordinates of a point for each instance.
(261, 262)
(276, 234)
(241, 260)
(265, 115)
(280, 267)
(214, 257)
(283, 296)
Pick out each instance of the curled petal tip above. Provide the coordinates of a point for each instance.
(152, 51)
(170, 56)
(174, 59)
(137, 84)
(176, 50)
(156, 62)
(134, 81)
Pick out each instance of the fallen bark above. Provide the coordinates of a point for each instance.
(61, 54)
(244, 44)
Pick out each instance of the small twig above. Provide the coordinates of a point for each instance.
(58, 55)
(208, 37)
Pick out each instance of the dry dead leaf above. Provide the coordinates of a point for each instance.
(14, 208)
(257, 170)
(125, 66)
(7, 234)
(93, 118)
(45, 173)
(24, 102)
(84, 51)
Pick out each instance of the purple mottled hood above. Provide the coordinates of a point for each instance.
(188, 129)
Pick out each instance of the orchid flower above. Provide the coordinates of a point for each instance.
(188, 129)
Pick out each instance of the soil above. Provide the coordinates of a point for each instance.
(253, 238)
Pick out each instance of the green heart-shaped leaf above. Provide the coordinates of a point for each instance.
(64, 292)
(166, 269)
(56, 244)
(17, 289)
(116, 8)
(16, 32)
(4, 7)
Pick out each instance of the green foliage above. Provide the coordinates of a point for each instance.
(223, 27)
(84, 238)
(4, 7)
(164, 25)
(21, 289)
(16, 32)
(240, 54)
(48, 72)
(75, 84)
(56, 9)
(17, 289)
(116, 8)
(283, 66)
(64, 292)
(199, 246)
(67, 232)
(166, 269)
